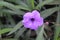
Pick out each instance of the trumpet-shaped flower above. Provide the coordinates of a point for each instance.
(32, 20)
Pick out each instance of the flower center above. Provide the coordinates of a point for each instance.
(32, 19)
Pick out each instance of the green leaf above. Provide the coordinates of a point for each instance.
(10, 19)
(40, 35)
(55, 2)
(58, 38)
(9, 5)
(5, 30)
(56, 32)
(48, 12)
(21, 4)
(22, 7)
(18, 26)
(19, 33)
(27, 35)
(58, 17)
(57, 28)
(43, 3)
(9, 39)
(30, 3)
(40, 1)
(18, 12)
(38, 30)
(13, 7)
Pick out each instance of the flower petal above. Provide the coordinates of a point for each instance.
(36, 13)
(27, 24)
(27, 15)
(34, 26)
(40, 21)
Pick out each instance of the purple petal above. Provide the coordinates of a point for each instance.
(31, 25)
(36, 13)
(27, 15)
(40, 21)
(27, 24)
(34, 26)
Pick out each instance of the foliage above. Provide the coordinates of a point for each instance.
(8, 8)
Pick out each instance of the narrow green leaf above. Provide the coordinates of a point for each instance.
(10, 19)
(40, 1)
(21, 5)
(57, 28)
(19, 33)
(19, 2)
(58, 38)
(37, 31)
(9, 39)
(57, 31)
(48, 12)
(13, 7)
(40, 35)
(18, 26)
(43, 3)
(58, 17)
(1, 13)
(5, 30)
(55, 2)
(27, 35)
(18, 12)
(9, 5)
(30, 3)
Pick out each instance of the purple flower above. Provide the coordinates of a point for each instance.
(32, 20)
